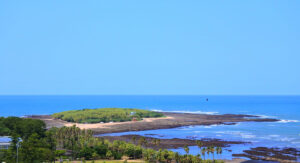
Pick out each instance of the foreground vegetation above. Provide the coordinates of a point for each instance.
(105, 115)
(32, 143)
(105, 161)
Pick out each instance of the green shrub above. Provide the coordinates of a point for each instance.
(105, 115)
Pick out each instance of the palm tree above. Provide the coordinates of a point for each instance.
(186, 149)
(177, 157)
(199, 144)
(203, 150)
(212, 150)
(219, 151)
(208, 151)
(158, 155)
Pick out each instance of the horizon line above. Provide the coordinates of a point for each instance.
(149, 94)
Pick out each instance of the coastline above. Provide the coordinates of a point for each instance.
(258, 153)
(172, 120)
(172, 143)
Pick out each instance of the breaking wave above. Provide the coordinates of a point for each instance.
(287, 121)
(183, 111)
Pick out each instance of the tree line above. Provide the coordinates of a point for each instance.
(36, 144)
(30, 141)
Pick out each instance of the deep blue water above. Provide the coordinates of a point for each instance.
(285, 133)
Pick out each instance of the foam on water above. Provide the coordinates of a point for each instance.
(266, 116)
(185, 111)
(287, 121)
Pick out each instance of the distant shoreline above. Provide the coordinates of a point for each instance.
(172, 120)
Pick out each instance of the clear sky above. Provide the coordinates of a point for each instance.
(150, 47)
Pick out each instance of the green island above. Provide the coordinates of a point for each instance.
(105, 115)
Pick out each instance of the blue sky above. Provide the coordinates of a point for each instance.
(150, 47)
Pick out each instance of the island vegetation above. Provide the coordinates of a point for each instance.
(105, 115)
(33, 143)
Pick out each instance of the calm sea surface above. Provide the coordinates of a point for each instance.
(285, 133)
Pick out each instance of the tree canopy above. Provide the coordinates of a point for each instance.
(36, 144)
(105, 115)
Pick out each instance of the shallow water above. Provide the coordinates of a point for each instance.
(285, 133)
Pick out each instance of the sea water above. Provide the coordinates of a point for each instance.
(284, 133)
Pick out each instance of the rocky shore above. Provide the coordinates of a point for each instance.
(172, 120)
(271, 154)
(156, 143)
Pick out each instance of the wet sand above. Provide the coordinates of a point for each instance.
(172, 120)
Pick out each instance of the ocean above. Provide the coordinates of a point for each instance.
(284, 133)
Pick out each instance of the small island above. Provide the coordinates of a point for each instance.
(105, 115)
(113, 120)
